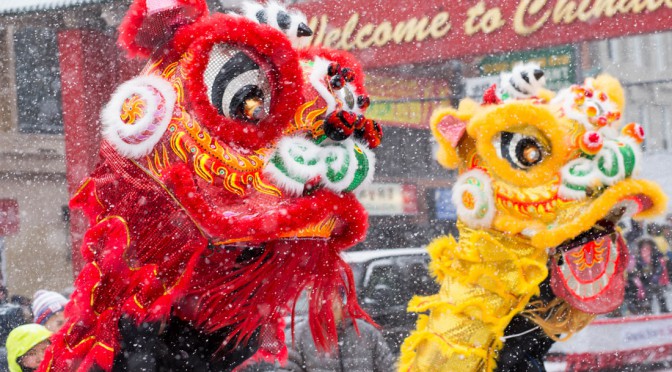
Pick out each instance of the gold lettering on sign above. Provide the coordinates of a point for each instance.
(440, 25)
(529, 17)
(407, 31)
(480, 19)
(531, 8)
(369, 34)
(365, 31)
(382, 34)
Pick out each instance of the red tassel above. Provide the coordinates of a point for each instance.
(490, 96)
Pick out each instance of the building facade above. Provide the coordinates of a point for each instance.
(59, 65)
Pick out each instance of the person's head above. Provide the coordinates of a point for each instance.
(646, 248)
(26, 345)
(667, 230)
(48, 309)
(337, 301)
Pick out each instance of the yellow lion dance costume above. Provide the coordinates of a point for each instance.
(544, 180)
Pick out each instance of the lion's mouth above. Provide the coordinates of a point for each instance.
(587, 269)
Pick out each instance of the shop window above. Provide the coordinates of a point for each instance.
(38, 81)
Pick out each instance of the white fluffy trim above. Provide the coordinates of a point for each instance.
(320, 70)
(475, 185)
(138, 139)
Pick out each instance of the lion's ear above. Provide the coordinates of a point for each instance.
(449, 126)
(151, 23)
(609, 85)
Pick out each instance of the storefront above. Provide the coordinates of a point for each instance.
(420, 55)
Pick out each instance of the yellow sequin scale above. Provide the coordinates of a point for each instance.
(486, 279)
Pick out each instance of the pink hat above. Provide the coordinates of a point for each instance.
(46, 304)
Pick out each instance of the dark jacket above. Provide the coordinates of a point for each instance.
(366, 352)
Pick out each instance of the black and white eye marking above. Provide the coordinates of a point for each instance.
(293, 24)
(521, 151)
(237, 86)
(526, 80)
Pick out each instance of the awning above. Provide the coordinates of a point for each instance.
(22, 6)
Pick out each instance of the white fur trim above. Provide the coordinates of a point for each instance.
(477, 183)
(137, 140)
(342, 155)
(283, 181)
(289, 147)
(272, 9)
(565, 99)
(250, 10)
(320, 70)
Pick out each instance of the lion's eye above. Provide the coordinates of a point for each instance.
(519, 150)
(236, 85)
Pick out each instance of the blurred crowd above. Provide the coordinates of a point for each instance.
(26, 326)
(649, 267)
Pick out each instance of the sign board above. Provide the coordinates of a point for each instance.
(408, 102)
(445, 209)
(395, 32)
(389, 199)
(9, 217)
(559, 64)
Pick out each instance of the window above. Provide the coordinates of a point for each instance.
(38, 81)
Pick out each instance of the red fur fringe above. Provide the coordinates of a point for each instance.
(142, 262)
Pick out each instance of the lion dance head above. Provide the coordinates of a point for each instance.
(544, 180)
(225, 185)
(559, 170)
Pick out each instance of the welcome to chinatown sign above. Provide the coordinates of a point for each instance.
(391, 32)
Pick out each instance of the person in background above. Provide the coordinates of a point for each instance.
(48, 309)
(26, 345)
(667, 234)
(652, 271)
(11, 316)
(363, 352)
(25, 304)
(657, 233)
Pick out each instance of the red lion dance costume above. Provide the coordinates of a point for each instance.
(224, 189)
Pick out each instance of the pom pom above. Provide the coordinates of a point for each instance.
(473, 197)
(138, 114)
(591, 142)
(634, 131)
